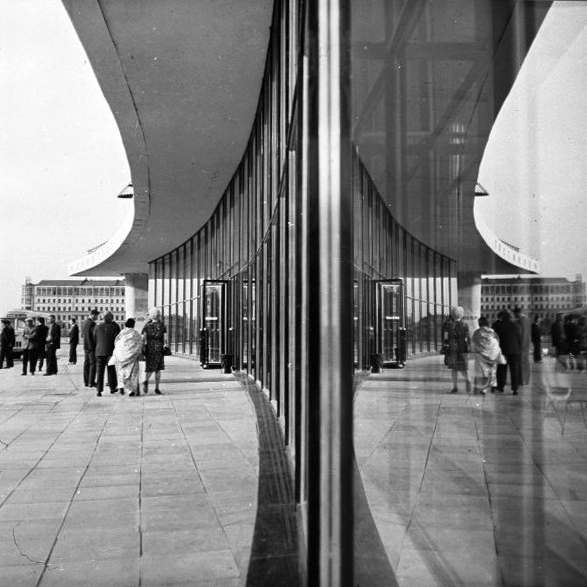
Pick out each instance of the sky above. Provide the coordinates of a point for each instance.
(61, 157)
(62, 162)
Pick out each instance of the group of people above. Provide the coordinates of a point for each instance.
(109, 351)
(40, 345)
(494, 349)
(115, 353)
(569, 337)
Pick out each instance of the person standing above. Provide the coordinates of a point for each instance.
(154, 332)
(523, 323)
(105, 335)
(73, 341)
(537, 339)
(30, 347)
(127, 348)
(89, 348)
(557, 333)
(53, 344)
(7, 342)
(455, 338)
(42, 331)
(485, 343)
(510, 341)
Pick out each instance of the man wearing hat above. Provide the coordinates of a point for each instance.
(90, 348)
(7, 342)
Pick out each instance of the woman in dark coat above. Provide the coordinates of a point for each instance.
(456, 342)
(154, 333)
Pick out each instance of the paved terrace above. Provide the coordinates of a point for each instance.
(190, 488)
(474, 490)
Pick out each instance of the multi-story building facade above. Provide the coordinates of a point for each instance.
(69, 299)
(542, 296)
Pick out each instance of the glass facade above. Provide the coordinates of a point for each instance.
(422, 83)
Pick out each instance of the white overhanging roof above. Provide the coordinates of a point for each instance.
(182, 80)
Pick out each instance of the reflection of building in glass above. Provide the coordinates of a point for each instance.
(288, 232)
(69, 299)
(542, 296)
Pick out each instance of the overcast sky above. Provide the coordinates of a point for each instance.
(62, 161)
(61, 157)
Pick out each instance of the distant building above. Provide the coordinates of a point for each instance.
(544, 296)
(74, 298)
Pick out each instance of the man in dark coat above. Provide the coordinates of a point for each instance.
(89, 348)
(73, 341)
(53, 344)
(7, 342)
(41, 333)
(510, 342)
(537, 339)
(105, 334)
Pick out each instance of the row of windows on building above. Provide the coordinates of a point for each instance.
(77, 291)
(530, 289)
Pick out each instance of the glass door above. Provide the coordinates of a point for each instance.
(215, 322)
(390, 325)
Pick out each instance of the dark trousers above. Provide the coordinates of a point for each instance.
(51, 360)
(6, 353)
(537, 352)
(89, 368)
(515, 372)
(73, 354)
(101, 366)
(29, 357)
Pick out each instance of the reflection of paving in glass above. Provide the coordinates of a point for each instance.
(473, 490)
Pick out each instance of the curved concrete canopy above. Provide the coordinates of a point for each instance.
(182, 80)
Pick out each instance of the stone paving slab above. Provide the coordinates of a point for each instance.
(121, 492)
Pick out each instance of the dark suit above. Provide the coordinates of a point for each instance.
(73, 342)
(41, 334)
(53, 343)
(510, 342)
(105, 334)
(89, 354)
(7, 342)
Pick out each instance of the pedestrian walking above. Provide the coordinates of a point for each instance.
(485, 345)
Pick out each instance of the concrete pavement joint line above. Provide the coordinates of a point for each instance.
(140, 493)
(47, 566)
(493, 520)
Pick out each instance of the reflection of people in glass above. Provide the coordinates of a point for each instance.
(154, 338)
(537, 339)
(456, 340)
(485, 343)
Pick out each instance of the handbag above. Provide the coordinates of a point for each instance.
(166, 351)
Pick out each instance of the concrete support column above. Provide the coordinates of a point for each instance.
(136, 297)
(469, 296)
